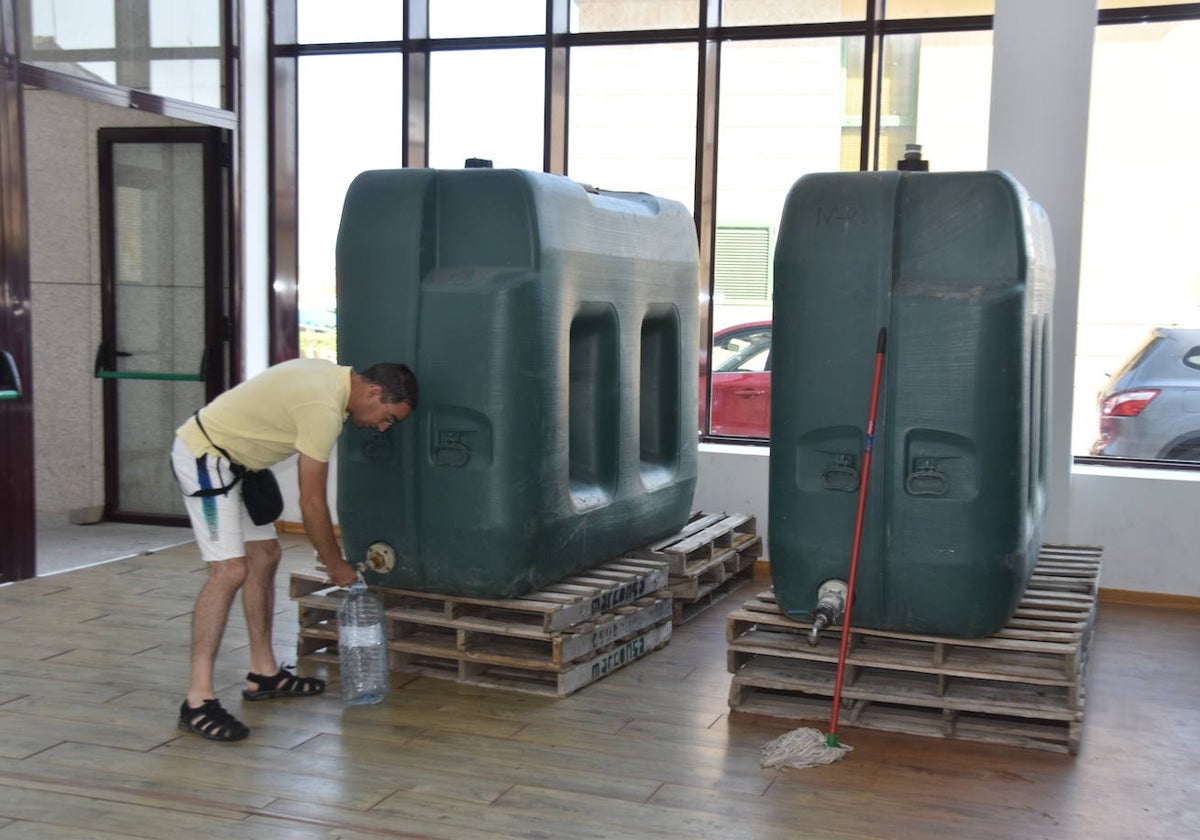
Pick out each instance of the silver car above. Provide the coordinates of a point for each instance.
(1150, 408)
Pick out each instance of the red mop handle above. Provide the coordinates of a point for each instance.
(868, 445)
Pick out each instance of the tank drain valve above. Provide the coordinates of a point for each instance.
(831, 603)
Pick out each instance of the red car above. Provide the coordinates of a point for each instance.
(741, 381)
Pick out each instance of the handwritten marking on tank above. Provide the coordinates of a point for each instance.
(837, 215)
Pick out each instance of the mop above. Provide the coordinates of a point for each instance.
(808, 747)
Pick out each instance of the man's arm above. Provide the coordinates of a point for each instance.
(318, 524)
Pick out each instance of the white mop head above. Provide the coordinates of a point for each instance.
(801, 748)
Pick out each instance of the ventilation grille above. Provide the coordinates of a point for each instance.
(743, 264)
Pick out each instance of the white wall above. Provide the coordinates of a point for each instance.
(1146, 521)
(1041, 85)
(733, 479)
(64, 264)
(253, 188)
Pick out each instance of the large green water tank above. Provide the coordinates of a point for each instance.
(958, 267)
(553, 330)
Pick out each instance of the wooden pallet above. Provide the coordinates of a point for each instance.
(704, 542)
(494, 651)
(496, 665)
(685, 609)
(523, 644)
(713, 555)
(568, 602)
(1024, 685)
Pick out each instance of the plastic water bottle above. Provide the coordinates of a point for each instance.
(362, 647)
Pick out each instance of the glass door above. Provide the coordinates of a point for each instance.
(165, 325)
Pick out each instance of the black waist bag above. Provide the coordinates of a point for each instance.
(260, 490)
(260, 493)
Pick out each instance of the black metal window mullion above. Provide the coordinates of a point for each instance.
(415, 89)
(558, 62)
(872, 83)
(705, 204)
(282, 249)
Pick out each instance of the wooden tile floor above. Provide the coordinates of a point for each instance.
(93, 664)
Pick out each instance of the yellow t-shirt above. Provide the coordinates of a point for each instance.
(295, 406)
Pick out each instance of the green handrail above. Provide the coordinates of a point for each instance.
(102, 373)
(10, 380)
(148, 374)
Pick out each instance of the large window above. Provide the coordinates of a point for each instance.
(648, 96)
(486, 104)
(936, 93)
(783, 113)
(789, 101)
(622, 15)
(633, 119)
(792, 107)
(485, 18)
(1137, 382)
(164, 47)
(320, 21)
(345, 128)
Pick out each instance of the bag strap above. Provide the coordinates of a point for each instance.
(224, 454)
(237, 469)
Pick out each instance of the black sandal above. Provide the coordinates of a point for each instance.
(212, 722)
(283, 684)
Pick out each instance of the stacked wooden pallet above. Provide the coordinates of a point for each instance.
(710, 557)
(1024, 685)
(553, 641)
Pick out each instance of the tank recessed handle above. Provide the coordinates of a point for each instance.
(841, 474)
(451, 451)
(925, 479)
(377, 447)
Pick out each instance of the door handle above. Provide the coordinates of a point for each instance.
(750, 392)
(102, 373)
(10, 380)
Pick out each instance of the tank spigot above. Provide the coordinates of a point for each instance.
(831, 603)
(820, 620)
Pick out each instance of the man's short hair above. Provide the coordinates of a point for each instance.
(397, 380)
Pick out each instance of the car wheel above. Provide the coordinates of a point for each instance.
(1189, 451)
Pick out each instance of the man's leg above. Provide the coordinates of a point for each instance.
(258, 601)
(217, 524)
(266, 679)
(209, 615)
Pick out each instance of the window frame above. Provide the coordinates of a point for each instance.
(708, 36)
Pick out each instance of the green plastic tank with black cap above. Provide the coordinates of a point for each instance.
(553, 330)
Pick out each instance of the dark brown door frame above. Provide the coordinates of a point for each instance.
(283, 248)
(18, 524)
(218, 298)
(17, 518)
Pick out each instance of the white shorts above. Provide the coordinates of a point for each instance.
(221, 523)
